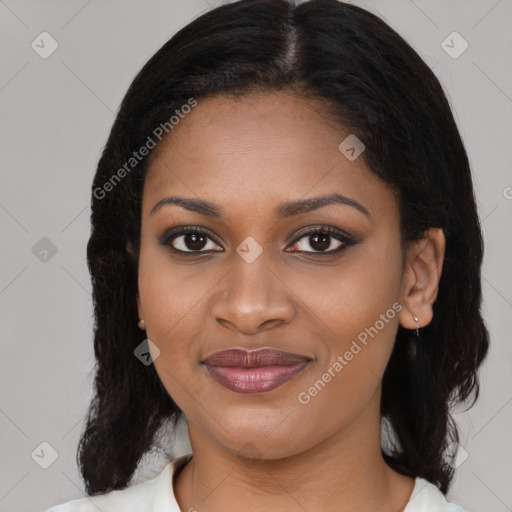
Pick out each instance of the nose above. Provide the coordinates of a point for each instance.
(252, 298)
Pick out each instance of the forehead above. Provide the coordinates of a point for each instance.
(263, 123)
(259, 149)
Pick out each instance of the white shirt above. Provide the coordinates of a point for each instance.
(157, 495)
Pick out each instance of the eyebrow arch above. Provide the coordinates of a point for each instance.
(287, 209)
(306, 205)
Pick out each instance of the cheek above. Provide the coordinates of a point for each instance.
(356, 296)
(174, 300)
(357, 315)
(173, 310)
(170, 303)
(167, 292)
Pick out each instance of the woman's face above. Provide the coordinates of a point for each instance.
(257, 279)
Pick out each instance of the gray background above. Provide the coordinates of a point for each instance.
(56, 114)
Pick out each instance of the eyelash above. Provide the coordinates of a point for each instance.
(331, 231)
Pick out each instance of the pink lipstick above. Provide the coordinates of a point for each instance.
(254, 371)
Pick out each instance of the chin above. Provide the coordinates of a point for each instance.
(260, 442)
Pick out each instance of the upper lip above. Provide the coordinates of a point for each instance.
(253, 358)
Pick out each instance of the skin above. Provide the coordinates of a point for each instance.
(248, 155)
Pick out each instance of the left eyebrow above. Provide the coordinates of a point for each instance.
(287, 209)
(306, 205)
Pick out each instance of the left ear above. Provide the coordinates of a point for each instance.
(420, 284)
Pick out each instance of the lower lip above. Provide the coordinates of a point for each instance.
(255, 380)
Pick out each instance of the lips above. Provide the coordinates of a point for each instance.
(254, 371)
(253, 358)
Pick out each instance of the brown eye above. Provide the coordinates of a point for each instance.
(321, 242)
(326, 240)
(191, 239)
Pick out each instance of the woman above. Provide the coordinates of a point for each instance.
(286, 251)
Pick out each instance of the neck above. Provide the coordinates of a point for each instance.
(342, 473)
